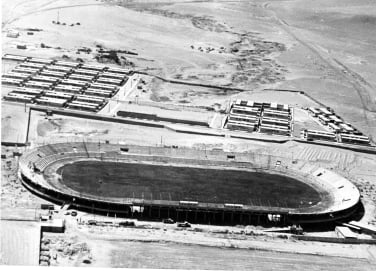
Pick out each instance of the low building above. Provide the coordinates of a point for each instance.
(14, 57)
(319, 135)
(270, 113)
(355, 139)
(314, 111)
(274, 129)
(56, 102)
(243, 110)
(345, 232)
(241, 126)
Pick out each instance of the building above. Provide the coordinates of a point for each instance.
(275, 121)
(47, 79)
(323, 119)
(83, 106)
(77, 83)
(56, 74)
(270, 113)
(93, 67)
(26, 70)
(324, 111)
(67, 64)
(345, 232)
(244, 118)
(40, 60)
(112, 75)
(59, 95)
(39, 66)
(19, 97)
(56, 102)
(319, 135)
(37, 84)
(355, 139)
(241, 126)
(86, 72)
(59, 68)
(99, 92)
(29, 91)
(110, 81)
(11, 81)
(14, 57)
(17, 75)
(345, 128)
(314, 111)
(81, 77)
(103, 87)
(336, 120)
(274, 129)
(89, 99)
(334, 127)
(119, 70)
(279, 107)
(68, 89)
(245, 110)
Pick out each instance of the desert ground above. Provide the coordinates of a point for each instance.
(195, 56)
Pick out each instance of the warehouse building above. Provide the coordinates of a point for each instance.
(26, 70)
(59, 95)
(56, 102)
(67, 64)
(355, 139)
(83, 106)
(110, 81)
(28, 91)
(40, 61)
(275, 121)
(241, 126)
(99, 93)
(89, 99)
(319, 135)
(19, 97)
(77, 83)
(81, 77)
(48, 73)
(245, 110)
(94, 67)
(14, 57)
(11, 81)
(274, 129)
(37, 84)
(103, 87)
(276, 114)
(47, 79)
(59, 68)
(17, 75)
(314, 111)
(68, 89)
(32, 65)
(86, 72)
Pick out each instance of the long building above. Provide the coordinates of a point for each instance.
(113, 75)
(17, 75)
(32, 65)
(37, 84)
(274, 129)
(110, 81)
(89, 99)
(68, 89)
(99, 92)
(245, 110)
(46, 79)
(56, 102)
(67, 64)
(355, 139)
(59, 68)
(40, 60)
(83, 106)
(319, 135)
(275, 121)
(26, 70)
(93, 67)
(103, 86)
(28, 91)
(77, 83)
(81, 77)
(11, 81)
(49, 73)
(59, 95)
(270, 113)
(86, 72)
(14, 57)
(241, 126)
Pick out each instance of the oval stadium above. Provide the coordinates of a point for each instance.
(184, 184)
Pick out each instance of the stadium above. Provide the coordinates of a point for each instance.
(185, 184)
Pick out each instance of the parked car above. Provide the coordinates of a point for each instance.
(184, 225)
(168, 221)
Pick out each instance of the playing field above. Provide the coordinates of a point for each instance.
(129, 180)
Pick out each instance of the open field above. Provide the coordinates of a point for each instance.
(186, 183)
(19, 243)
